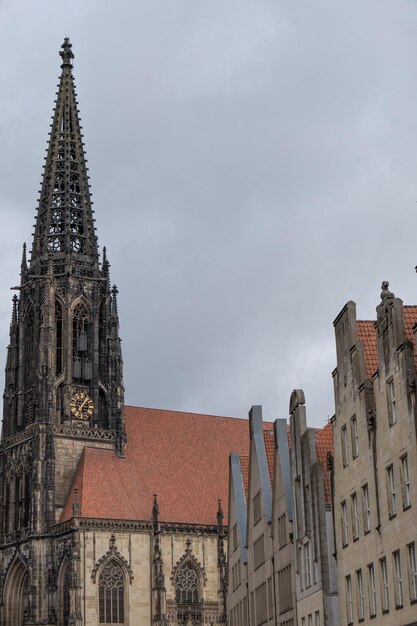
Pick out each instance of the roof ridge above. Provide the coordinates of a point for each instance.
(224, 417)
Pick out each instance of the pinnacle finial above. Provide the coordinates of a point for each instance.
(15, 300)
(66, 54)
(23, 266)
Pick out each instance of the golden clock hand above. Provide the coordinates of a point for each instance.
(81, 406)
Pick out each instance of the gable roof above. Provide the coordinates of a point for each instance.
(182, 457)
(324, 444)
(366, 330)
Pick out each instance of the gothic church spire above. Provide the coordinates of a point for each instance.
(64, 229)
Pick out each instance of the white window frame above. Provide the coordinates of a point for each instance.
(355, 517)
(345, 446)
(372, 590)
(366, 509)
(399, 587)
(392, 496)
(392, 409)
(345, 524)
(412, 560)
(405, 480)
(355, 437)
(349, 600)
(385, 585)
(361, 595)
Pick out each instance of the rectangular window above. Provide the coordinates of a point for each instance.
(392, 411)
(405, 482)
(310, 619)
(372, 590)
(257, 508)
(285, 589)
(260, 599)
(345, 525)
(349, 600)
(412, 559)
(307, 564)
(385, 586)
(270, 599)
(355, 517)
(366, 509)
(345, 446)
(259, 552)
(303, 621)
(317, 618)
(399, 595)
(282, 530)
(392, 499)
(355, 437)
(361, 595)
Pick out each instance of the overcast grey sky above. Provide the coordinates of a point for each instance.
(253, 167)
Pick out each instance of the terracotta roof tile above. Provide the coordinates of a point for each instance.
(269, 440)
(410, 320)
(366, 330)
(182, 457)
(324, 444)
(244, 462)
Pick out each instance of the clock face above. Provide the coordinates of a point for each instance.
(82, 406)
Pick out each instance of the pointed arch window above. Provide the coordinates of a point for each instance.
(58, 338)
(112, 594)
(29, 346)
(82, 368)
(187, 587)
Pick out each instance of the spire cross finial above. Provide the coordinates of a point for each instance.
(67, 54)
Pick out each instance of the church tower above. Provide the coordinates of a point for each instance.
(64, 380)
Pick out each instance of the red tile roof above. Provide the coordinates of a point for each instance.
(367, 334)
(269, 440)
(244, 462)
(182, 457)
(324, 444)
(366, 330)
(410, 320)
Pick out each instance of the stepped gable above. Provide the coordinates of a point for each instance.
(324, 444)
(182, 457)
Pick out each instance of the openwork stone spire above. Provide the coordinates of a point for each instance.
(64, 229)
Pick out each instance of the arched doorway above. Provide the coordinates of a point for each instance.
(15, 598)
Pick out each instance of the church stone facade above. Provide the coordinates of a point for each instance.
(108, 514)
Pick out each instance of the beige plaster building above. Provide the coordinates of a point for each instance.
(273, 519)
(375, 464)
(316, 576)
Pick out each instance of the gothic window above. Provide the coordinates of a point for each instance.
(56, 244)
(112, 594)
(186, 588)
(29, 347)
(58, 339)
(76, 224)
(57, 222)
(66, 596)
(102, 340)
(82, 369)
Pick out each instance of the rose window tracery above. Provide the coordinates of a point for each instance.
(186, 588)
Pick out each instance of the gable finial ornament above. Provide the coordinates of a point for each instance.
(386, 293)
(112, 553)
